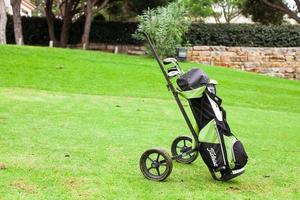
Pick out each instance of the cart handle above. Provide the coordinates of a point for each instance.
(171, 87)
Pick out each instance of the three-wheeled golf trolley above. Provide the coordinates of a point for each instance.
(223, 154)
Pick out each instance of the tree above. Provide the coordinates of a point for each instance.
(39, 7)
(67, 15)
(50, 21)
(16, 7)
(65, 10)
(3, 21)
(122, 10)
(89, 18)
(199, 8)
(272, 11)
(230, 9)
(261, 13)
(285, 7)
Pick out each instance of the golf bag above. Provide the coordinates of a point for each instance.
(212, 138)
(219, 148)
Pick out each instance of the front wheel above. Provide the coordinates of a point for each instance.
(156, 164)
(180, 146)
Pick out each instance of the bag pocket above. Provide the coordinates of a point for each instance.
(236, 154)
(240, 155)
(212, 155)
(211, 149)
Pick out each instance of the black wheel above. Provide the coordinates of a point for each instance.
(156, 164)
(181, 145)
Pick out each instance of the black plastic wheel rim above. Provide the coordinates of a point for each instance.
(180, 146)
(184, 146)
(156, 164)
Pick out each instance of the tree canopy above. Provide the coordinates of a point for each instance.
(128, 9)
(272, 11)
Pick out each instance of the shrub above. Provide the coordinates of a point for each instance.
(35, 31)
(243, 35)
(165, 25)
(105, 32)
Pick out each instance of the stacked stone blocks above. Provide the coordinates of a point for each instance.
(280, 62)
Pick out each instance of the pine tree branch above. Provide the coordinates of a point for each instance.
(282, 8)
(297, 4)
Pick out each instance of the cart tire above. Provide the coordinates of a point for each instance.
(181, 145)
(156, 164)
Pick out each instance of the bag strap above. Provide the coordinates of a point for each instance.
(225, 120)
(218, 100)
(214, 97)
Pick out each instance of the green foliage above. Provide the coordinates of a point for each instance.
(106, 32)
(165, 25)
(229, 9)
(35, 31)
(244, 35)
(97, 17)
(199, 8)
(262, 13)
(123, 10)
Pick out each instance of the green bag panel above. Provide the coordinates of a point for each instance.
(209, 133)
(191, 94)
(235, 152)
(229, 142)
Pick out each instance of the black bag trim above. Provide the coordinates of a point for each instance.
(241, 157)
(221, 137)
(192, 79)
(214, 97)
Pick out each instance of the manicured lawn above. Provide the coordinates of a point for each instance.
(73, 125)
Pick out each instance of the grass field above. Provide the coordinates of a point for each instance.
(73, 125)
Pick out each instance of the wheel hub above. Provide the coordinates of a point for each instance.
(184, 149)
(154, 164)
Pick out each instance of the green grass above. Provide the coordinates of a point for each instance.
(104, 110)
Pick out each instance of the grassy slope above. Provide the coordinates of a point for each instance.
(104, 110)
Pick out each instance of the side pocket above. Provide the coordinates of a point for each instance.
(240, 155)
(212, 155)
(210, 149)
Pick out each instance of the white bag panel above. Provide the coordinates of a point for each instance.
(216, 108)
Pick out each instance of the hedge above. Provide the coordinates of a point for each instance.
(243, 35)
(35, 32)
(106, 32)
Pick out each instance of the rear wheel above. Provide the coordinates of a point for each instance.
(180, 146)
(156, 164)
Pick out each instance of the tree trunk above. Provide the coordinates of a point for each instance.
(87, 25)
(67, 21)
(16, 7)
(3, 20)
(89, 18)
(50, 21)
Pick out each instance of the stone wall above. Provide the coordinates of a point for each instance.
(115, 48)
(280, 62)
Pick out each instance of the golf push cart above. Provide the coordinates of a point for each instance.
(221, 151)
